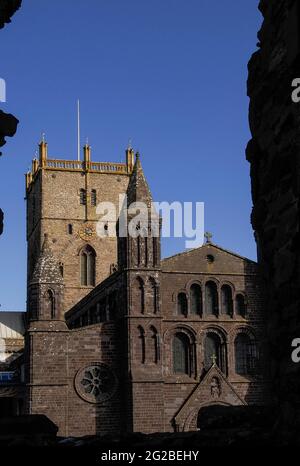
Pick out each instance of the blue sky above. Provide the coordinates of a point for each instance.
(169, 74)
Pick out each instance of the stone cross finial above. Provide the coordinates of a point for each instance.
(214, 359)
(208, 236)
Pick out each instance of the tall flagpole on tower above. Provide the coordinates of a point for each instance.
(78, 130)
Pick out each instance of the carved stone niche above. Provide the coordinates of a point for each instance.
(215, 388)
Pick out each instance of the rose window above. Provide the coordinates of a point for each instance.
(96, 383)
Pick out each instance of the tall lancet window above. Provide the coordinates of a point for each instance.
(196, 299)
(227, 303)
(142, 349)
(141, 294)
(50, 303)
(211, 298)
(153, 303)
(88, 266)
(154, 242)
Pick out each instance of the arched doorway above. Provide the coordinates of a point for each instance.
(212, 416)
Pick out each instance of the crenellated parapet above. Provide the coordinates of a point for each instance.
(85, 166)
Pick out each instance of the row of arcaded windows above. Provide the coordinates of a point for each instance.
(211, 303)
(103, 311)
(215, 352)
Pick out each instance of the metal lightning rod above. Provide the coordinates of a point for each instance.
(78, 130)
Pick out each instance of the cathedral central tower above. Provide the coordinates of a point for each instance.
(62, 196)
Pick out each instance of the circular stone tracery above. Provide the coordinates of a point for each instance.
(96, 383)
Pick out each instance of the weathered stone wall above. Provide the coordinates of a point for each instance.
(274, 156)
(56, 356)
(179, 273)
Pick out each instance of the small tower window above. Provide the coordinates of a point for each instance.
(61, 268)
(141, 294)
(50, 303)
(94, 197)
(154, 242)
(82, 197)
(70, 229)
(155, 341)
(142, 344)
(153, 295)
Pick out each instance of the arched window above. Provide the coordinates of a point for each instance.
(211, 299)
(227, 303)
(50, 303)
(245, 354)
(141, 294)
(154, 296)
(142, 349)
(138, 250)
(240, 305)
(82, 197)
(94, 197)
(182, 304)
(146, 250)
(181, 354)
(154, 242)
(155, 345)
(214, 351)
(196, 299)
(88, 266)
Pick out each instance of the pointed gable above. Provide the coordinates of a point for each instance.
(209, 258)
(214, 388)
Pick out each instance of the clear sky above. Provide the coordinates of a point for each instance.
(169, 74)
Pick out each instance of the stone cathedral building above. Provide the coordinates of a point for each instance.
(118, 339)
